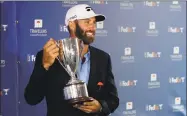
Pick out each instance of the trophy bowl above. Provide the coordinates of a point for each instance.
(75, 91)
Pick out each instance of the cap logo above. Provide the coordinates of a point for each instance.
(73, 17)
(88, 8)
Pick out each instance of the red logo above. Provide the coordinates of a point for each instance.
(100, 84)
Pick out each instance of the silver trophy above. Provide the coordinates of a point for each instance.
(69, 57)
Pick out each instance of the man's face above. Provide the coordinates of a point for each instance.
(85, 30)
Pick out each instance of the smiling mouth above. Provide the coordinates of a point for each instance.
(90, 34)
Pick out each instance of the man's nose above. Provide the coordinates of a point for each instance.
(92, 27)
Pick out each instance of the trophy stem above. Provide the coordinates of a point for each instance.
(73, 77)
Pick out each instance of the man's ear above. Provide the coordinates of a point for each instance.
(72, 26)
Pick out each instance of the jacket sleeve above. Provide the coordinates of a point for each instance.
(110, 101)
(35, 89)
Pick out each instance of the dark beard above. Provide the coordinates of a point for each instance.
(80, 34)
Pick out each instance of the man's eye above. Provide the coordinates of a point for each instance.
(86, 21)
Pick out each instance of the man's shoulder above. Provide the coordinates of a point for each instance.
(100, 52)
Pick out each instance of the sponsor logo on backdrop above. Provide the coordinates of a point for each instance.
(98, 2)
(130, 110)
(127, 57)
(152, 3)
(175, 29)
(126, 5)
(176, 56)
(4, 27)
(38, 23)
(152, 54)
(153, 83)
(154, 107)
(152, 31)
(176, 80)
(38, 28)
(4, 92)
(129, 83)
(126, 29)
(177, 105)
(69, 3)
(63, 28)
(175, 6)
(31, 58)
(100, 31)
(2, 63)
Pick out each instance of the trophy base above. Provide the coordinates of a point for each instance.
(80, 100)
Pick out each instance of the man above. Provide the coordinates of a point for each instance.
(49, 78)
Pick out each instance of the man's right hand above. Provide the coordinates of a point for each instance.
(50, 52)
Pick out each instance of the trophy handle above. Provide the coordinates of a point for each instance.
(62, 57)
(62, 60)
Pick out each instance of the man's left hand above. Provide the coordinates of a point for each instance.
(89, 107)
